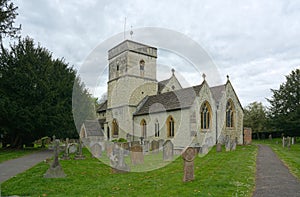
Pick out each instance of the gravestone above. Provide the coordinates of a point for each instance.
(168, 151)
(66, 153)
(146, 145)
(55, 170)
(134, 143)
(126, 148)
(289, 142)
(155, 146)
(204, 149)
(96, 150)
(79, 155)
(117, 162)
(283, 142)
(136, 155)
(219, 147)
(233, 145)
(161, 144)
(270, 137)
(293, 140)
(109, 148)
(72, 148)
(247, 136)
(188, 170)
(227, 143)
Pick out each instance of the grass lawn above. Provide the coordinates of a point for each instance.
(291, 157)
(216, 174)
(7, 154)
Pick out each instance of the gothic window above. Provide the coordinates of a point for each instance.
(115, 127)
(156, 134)
(143, 129)
(205, 115)
(229, 113)
(170, 127)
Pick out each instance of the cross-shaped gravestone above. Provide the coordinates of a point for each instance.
(188, 157)
(55, 170)
(66, 153)
(79, 155)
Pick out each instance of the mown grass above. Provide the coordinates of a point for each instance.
(291, 157)
(7, 154)
(216, 174)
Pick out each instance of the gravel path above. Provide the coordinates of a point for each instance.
(273, 177)
(13, 167)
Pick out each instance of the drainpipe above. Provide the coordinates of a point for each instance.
(217, 123)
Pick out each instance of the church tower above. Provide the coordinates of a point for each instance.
(132, 76)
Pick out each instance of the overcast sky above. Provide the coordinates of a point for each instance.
(255, 42)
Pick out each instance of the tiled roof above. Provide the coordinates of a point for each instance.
(162, 84)
(168, 101)
(103, 107)
(92, 128)
(217, 92)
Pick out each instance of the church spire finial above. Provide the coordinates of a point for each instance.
(227, 77)
(203, 76)
(173, 71)
(131, 32)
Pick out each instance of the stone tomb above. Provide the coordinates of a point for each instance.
(136, 155)
(155, 147)
(96, 150)
(55, 170)
(188, 167)
(168, 151)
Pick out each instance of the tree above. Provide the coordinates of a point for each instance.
(285, 104)
(7, 16)
(36, 94)
(255, 117)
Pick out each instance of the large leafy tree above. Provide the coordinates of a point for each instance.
(36, 94)
(255, 117)
(285, 104)
(8, 13)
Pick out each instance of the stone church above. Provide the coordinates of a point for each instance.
(140, 108)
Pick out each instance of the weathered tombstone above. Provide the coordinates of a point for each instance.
(136, 155)
(117, 162)
(293, 140)
(146, 145)
(109, 148)
(161, 144)
(155, 146)
(283, 142)
(72, 148)
(204, 149)
(126, 148)
(188, 158)
(233, 145)
(168, 151)
(270, 137)
(96, 150)
(79, 155)
(55, 170)
(247, 136)
(66, 153)
(219, 147)
(227, 143)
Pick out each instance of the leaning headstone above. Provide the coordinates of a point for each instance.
(168, 151)
(66, 153)
(219, 147)
(96, 150)
(136, 155)
(155, 147)
(117, 162)
(55, 170)
(79, 155)
(188, 158)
